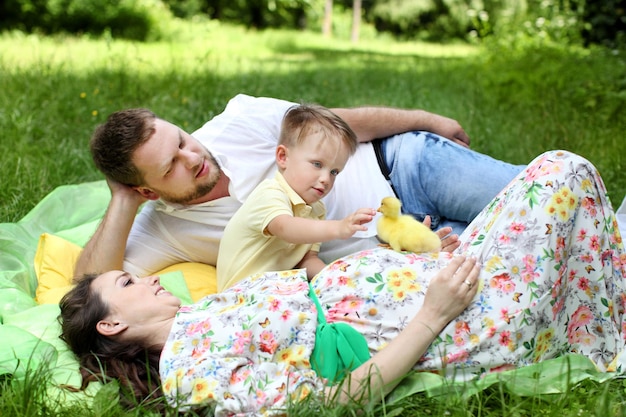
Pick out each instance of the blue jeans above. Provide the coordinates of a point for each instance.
(434, 176)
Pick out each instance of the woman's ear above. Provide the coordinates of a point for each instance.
(147, 193)
(281, 156)
(110, 327)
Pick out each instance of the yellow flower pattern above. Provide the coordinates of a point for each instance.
(241, 349)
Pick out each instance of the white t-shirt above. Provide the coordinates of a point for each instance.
(243, 140)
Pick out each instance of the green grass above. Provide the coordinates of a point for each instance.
(514, 101)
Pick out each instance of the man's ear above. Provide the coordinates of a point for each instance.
(281, 156)
(147, 193)
(110, 327)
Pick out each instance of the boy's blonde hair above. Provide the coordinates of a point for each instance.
(301, 120)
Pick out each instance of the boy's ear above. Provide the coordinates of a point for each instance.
(147, 193)
(281, 156)
(110, 327)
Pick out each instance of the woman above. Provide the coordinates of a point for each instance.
(541, 272)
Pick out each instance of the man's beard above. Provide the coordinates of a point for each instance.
(201, 190)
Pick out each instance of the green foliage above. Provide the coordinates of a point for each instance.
(555, 20)
(572, 22)
(130, 19)
(259, 14)
(425, 19)
(559, 20)
(25, 396)
(185, 8)
(605, 23)
(577, 95)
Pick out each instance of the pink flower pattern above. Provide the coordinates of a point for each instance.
(547, 248)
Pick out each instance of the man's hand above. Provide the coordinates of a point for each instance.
(449, 242)
(105, 250)
(125, 193)
(450, 129)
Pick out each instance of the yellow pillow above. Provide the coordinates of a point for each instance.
(201, 279)
(54, 265)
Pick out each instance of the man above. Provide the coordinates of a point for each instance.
(196, 182)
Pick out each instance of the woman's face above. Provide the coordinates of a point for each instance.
(135, 301)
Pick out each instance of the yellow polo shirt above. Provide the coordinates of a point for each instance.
(246, 248)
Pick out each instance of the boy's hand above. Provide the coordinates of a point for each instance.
(355, 222)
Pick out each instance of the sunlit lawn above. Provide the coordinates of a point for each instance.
(514, 104)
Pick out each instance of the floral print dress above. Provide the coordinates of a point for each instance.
(553, 278)
(245, 351)
(553, 281)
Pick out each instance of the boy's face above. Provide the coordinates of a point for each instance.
(311, 167)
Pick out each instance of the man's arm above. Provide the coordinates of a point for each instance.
(105, 250)
(371, 123)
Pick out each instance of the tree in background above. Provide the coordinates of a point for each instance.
(327, 25)
(356, 20)
(566, 21)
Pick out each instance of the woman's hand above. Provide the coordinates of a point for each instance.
(450, 292)
(447, 296)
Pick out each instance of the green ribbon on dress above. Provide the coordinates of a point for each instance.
(339, 348)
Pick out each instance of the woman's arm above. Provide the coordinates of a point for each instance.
(371, 123)
(447, 296)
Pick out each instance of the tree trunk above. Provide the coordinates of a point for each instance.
(327, 26)
(356, 20)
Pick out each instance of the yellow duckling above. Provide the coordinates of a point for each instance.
(403, 232)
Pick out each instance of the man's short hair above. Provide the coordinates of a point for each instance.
(115, 141)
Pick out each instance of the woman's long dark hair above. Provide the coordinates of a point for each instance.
(103, 358)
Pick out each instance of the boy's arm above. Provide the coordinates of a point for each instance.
(299, 230)
(312, 263)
